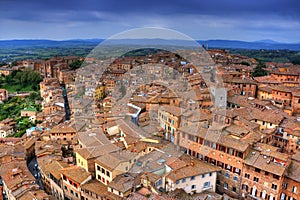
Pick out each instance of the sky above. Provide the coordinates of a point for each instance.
(278, 20)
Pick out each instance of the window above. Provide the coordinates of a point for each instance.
(257, 170)
(282, 196)
(193, 187)
(239, 154)
(294, 190)
(177, 182)
(234, 189)
(66, 188)
(210, 174)
(227, 175)
(203, 175)
(159, 182)
(266, 173)
(276, 177)
(228, 167)
(225, 185)
(214, 145)
(98, 167)
(107, 173)
(274, 186)
(193, 178)
(237, 170)
(247, 175)
(255, 179)
(183, 180)
(284, 185)
(206, 184)
(220, 172)
(235, 178)
(245, 187)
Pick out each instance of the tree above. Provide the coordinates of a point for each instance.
(259, 70)
(76, 64)
(244, 63)
(122, 89)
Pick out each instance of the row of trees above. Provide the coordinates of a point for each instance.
(27, 78)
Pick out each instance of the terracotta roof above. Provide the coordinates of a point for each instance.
(76, 173)
(96, 151)
(122, 182)
(293, 171)
(193, 167)
(93, 137)
(111, 160)
(37, 195)
(96, 187)
(63, 128)
(171, 109)
(54, 168)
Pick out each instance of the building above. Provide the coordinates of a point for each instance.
(29, 112)
(95, 190)
(169, 118)
(195, 177)
(5, 71)
(263, 174)
(3, 95)
(291, 182)
(18, 181)
(72, 179)
(264, 92)
(63, 132)
(85, 157)
(225, 148)
(6, 131)
(112, 164)
(243, 86)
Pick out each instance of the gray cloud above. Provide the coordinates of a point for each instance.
(226, 19)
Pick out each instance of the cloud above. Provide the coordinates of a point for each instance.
(227, 19)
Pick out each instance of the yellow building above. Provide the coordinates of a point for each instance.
(99, 92)
(264, 93)
(169, 118)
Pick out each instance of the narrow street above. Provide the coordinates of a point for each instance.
(34, 169)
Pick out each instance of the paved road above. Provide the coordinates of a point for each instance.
(34, 169)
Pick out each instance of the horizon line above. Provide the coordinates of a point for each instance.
(85, 39)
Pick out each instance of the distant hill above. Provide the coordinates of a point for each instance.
(235, 44)
(226, 44)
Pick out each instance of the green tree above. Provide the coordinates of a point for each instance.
(122, 89)
(76, 64)
(259, 70)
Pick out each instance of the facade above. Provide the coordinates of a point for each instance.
(263, 173)
(169, 118)
(3, 95)
(5, 71)
(63, 132)
(243, 86)
(195, 177)
(72, 179)
(6, 131)
(28, 112)
(112, 164)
